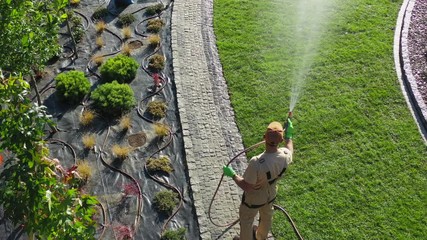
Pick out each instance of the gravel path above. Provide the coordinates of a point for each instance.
(411, 58)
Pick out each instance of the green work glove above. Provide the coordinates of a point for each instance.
(289, 132)
(228, 171)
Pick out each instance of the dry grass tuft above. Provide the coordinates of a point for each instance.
(100, 26)
(84, 169)
(89, 140)
(125, 122)
(121, 152)
(99, 42)
(98, 59)
(154, 40)
(161, 130)
(87, 117)
(126, 50)
(127, 32)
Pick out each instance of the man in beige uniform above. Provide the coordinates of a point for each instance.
(259, 181)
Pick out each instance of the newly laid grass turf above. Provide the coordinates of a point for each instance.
(360, 164)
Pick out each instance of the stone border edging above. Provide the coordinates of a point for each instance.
(404, 70)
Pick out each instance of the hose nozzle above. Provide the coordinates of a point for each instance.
(290, 114)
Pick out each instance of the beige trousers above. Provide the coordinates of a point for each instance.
(247, 216)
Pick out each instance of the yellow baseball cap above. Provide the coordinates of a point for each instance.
(274, 133)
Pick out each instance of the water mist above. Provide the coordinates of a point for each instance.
(311, 19)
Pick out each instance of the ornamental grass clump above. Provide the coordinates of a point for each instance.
(84, 170)
(161, 130)
(126, 50)
(99, 42)
(100, 26)
(113, 98)
(154, 40)
(125, 122)
(156, 62)
(89, 140)
(98, 60)
(127, 32)
(162, 164)
(72, 86)
(165, 201)
(157, 108)
(121, 152)
(87, 117)
(120, 68)
(155, 25)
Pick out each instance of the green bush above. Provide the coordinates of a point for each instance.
(121, 68)
(159, 164)
(178, 234)
(72, 86)
(156, 62)
(165, 201)
(151, 10)
(157, 108)
(100, 13)
(114, 98)
(155, 25)
(126, 19)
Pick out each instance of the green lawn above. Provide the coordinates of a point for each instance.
(359, 167)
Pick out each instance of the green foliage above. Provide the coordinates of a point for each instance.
(100, 13)
(178, 234)
(30, 192)
(121, 68)
(155, 9)
(126, 19)
(76, 25)
(157, 108)
(155, 25)
(114, 98)
(29, 33)
(359, 165)
(165, 201)
(72, 86)
(159, 164)
(156, 62)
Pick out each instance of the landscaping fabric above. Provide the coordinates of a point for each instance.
(111, 176)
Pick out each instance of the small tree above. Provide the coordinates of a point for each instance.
(31, 193)
(114, 98)
(120, 68)
(72, 86)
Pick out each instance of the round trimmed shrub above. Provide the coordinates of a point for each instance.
(165, 201)
(72, 86)
(157, 108)
(121, 68)
(126, 19)
(155, 9)
(155, 25)
(113, 98)
(156, 62)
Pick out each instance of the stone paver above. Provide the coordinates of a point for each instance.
(211, 137)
